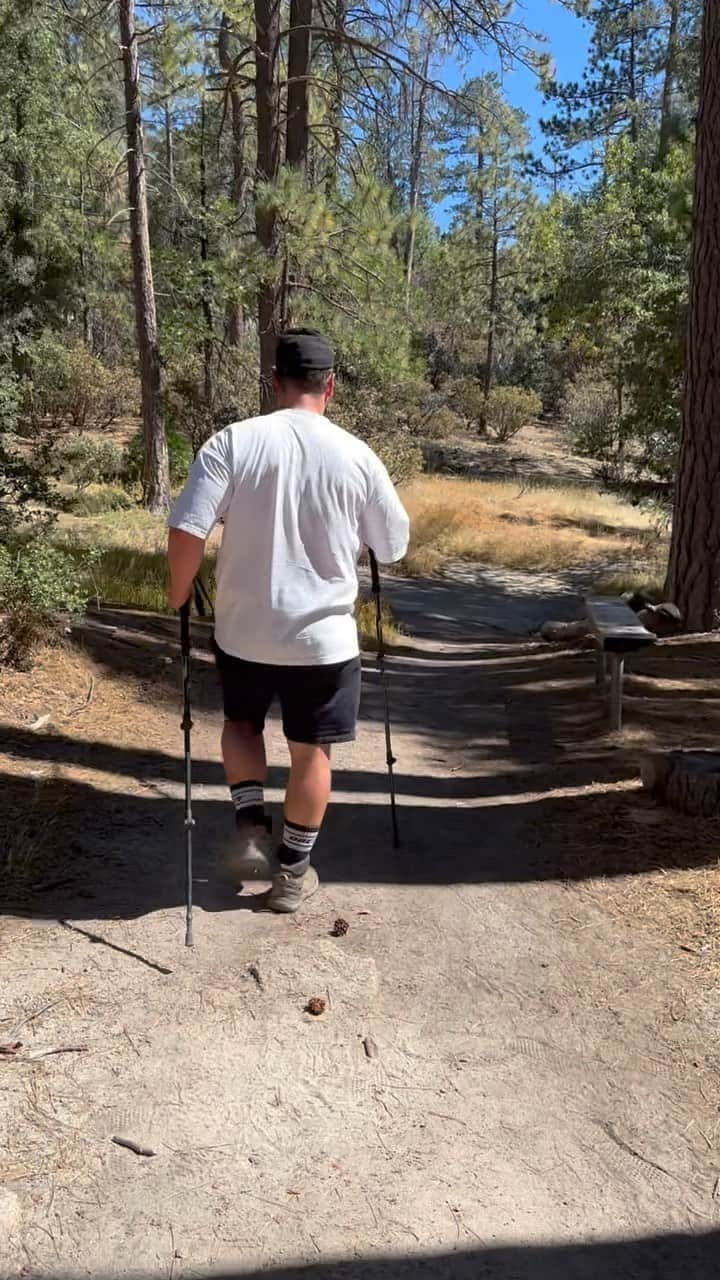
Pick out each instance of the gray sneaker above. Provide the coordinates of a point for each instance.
(251, 856)
(290, 890)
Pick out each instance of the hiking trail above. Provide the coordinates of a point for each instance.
(501, 1061)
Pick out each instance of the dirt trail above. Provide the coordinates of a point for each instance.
(506, 1075)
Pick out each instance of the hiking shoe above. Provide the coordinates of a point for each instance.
(251, 856)
(290, 889)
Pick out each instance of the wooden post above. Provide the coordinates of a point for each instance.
(617, 670)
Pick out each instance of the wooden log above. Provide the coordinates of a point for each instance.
(693, 785)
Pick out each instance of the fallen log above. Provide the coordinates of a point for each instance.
(687, 781)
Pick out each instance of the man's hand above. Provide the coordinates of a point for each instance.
(185, 556)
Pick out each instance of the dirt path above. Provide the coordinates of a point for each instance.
(506, 1075)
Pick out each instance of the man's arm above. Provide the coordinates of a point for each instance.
(203, 501)
(185, 556)
(385, 525)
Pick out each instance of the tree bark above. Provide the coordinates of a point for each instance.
(156, 476)
(297, 129)
(338, 60)
(267, 106)
(415, 176)
(670, 72)
(82, 258)
(239, 179)
(298, 96)
(205, 283)
(694, 569)
(492, 314)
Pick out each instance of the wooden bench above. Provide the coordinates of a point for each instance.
(618, 632)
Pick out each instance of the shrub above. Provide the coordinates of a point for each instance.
(442, 423)
(402, 457)
(467, 398)
(591, 412)
(234, 394)
(84, 462)
(37, 580)
(508, 410)
(69, 387)
(24, 470)
(180, 455)
(380, 422)
(99, 500)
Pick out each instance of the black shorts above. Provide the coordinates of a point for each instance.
(319, 704)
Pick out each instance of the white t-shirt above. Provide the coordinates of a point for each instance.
(299, 498)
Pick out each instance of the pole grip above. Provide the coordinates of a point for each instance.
(374, 572)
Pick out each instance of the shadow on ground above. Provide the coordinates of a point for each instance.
(505, 735)
(694, 1257)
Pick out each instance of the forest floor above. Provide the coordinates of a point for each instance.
(516, 1073)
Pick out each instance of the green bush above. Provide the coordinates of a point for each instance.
(24, 469)
(69, 387)
(41, 575)
(83, 462)
(180, 455)
(508, 410)
(37, 581)
(466, 397)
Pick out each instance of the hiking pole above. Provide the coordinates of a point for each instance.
(186, 727)
(389, 757)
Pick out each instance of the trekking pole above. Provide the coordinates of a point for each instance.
(389, 757)
(186, 727)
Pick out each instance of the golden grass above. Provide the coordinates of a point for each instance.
(503, 524)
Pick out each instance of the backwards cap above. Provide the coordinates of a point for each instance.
(302, 351)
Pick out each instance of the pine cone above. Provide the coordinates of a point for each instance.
(339, 928)
(315, 1006)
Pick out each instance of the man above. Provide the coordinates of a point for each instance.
(298, 497)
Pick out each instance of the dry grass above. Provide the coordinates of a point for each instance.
(512, 527)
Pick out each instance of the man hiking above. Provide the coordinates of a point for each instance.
(299, 497)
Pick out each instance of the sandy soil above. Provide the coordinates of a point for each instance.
(516, 1075)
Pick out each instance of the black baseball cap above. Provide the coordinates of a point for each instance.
(302, 351)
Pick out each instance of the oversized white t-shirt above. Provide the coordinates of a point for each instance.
(299, 498)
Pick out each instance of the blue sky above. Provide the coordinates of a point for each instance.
(565, 39)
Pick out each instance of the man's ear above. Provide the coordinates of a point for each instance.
(275, 382)
(330, 388)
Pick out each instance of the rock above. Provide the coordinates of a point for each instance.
(567, 632)
(662, 619)
(636, 600)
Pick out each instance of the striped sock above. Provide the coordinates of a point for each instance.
(249, 801)
(297, 845)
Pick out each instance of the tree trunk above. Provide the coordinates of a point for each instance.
(694, 568)
(205, 283)
(156, 478)
(267, 106)
(338, 60)
(298, 97)
(632, 72)
(669, 82)
(82, 259)
(415, 176)
(238, 182)
(492, 316)
(297, 136)
(170, 166)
